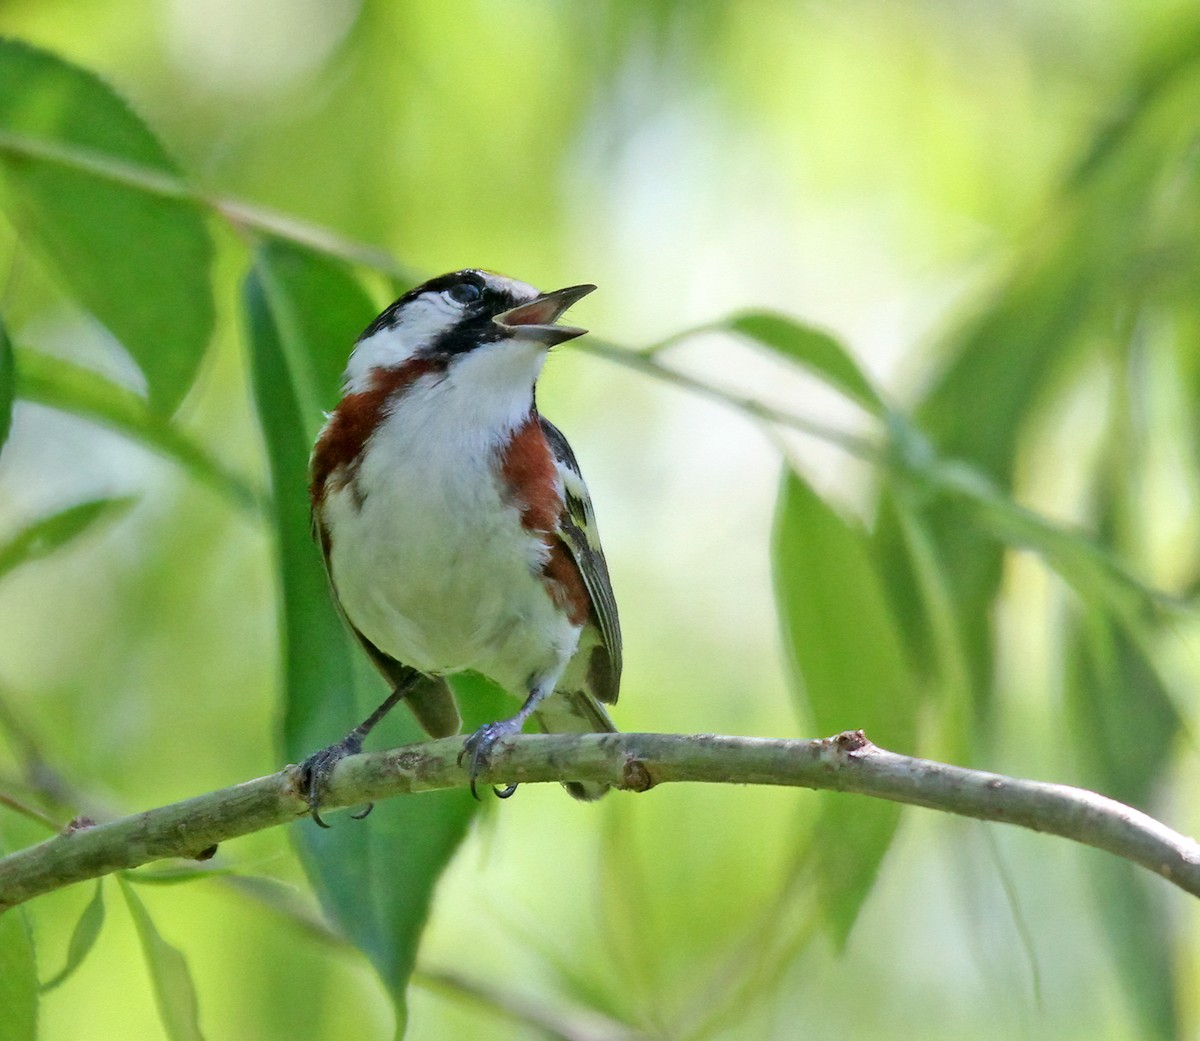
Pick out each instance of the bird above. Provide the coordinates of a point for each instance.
(455, 526)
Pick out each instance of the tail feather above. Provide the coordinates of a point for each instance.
(576, 712)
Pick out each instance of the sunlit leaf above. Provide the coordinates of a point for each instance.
(174, 991)
(83, 937)
(18, 978)
(44, 536)
(815, 350)
(1070, 291)
(138, 260)
(7, 392)
(70, 388)
(851, 673)
(304, 313)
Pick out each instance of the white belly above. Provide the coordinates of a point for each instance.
(434, 568)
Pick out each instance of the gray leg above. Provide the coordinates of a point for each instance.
(315, 770)
(480, 744)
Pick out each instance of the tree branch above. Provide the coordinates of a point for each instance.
(637, 762)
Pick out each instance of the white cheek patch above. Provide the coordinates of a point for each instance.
(421, 322)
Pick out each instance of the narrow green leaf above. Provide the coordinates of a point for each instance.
(176, 873)
(174, 991)
(303, 313)
(1122, 718)
(71, 388)
(44, 536)
(139, 261)
(288, 317)
(918, 588)
(1074, 292)
(1138, 926)
(18, 978)
(286, 901)
(817, 351)
(7, 380)
(1089, 567)
(83, 938)
(851, 673)
(1122, 721)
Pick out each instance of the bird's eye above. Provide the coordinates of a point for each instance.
(464, 293)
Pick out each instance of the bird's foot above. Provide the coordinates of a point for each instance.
(478, 749)
(315, 771)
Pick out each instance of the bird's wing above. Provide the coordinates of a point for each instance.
(577, 529)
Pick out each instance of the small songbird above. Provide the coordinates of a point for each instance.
(456, 528)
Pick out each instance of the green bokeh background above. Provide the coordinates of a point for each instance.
(877, 169)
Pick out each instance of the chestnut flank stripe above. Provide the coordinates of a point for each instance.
(339, 448)
(531, 482)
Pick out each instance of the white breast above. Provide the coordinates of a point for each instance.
(429, 561)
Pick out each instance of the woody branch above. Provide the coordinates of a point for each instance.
(847, 762)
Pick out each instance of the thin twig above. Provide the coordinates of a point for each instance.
(31, 812)
(36, 772)
(848, 762)
(859, 447)
(169, 186)
(585, 1025)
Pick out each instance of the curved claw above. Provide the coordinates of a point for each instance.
(478, 746)
(315, 777)
(315, 771)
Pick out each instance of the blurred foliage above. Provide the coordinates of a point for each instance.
(984, 549)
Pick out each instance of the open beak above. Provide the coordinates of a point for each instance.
(535, 320)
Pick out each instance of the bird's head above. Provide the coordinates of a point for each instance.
(466, 314)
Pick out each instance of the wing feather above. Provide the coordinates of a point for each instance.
(577, 529)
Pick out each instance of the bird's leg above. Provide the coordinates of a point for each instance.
(480, 744)
(315, 770)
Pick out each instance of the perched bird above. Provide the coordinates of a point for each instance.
(456, 528)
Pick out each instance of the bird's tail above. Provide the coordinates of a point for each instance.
(576, 712)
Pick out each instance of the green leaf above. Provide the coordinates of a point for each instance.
(815, 350)
(174, 991)
(1089, 567)
(83, 938)
(1122, 720)
(137, 259)
(376, 878)
(71, 388)
(177, 872)
(7, 380)
(1137, 922)
(290, 296)
(918, 588)
(851, 673)
(18, 978)
(289, 904)
(1073, 292)
(43, 537)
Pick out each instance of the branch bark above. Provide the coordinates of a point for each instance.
(637, 762)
